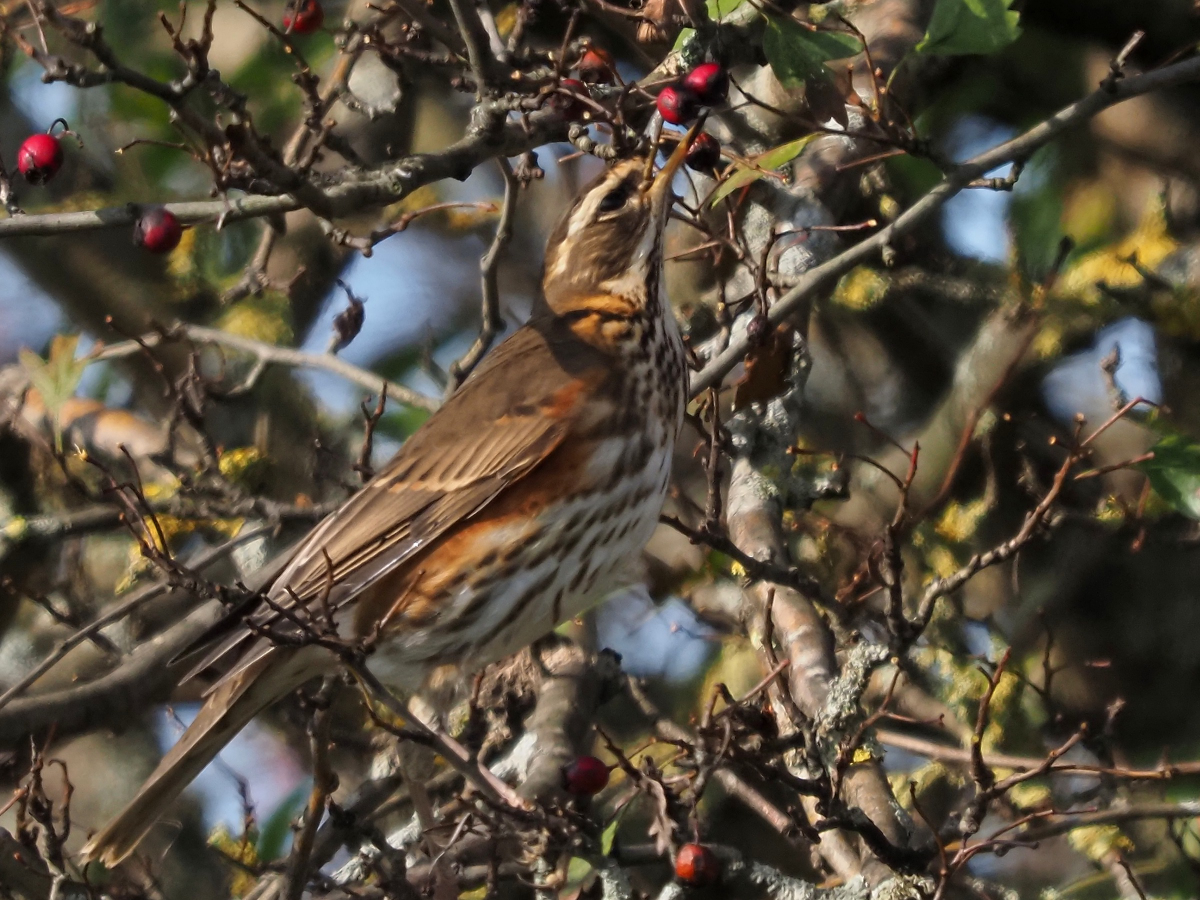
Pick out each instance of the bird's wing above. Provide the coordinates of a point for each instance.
(504, 421)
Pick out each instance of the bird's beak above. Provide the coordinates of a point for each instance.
(660, 189)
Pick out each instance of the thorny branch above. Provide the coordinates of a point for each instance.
(825, 275)
(799, 734)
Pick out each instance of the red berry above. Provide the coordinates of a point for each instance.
(572, 107)
(39, 158)
(584, 776)
(705, 152)
(709, 82)
(678, 105)
(697, 865)
(157, 230)
(757, 329)
(303, 16)
(596, 67)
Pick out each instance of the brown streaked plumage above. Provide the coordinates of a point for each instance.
(513, 508)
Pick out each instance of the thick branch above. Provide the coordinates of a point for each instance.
(375, 188)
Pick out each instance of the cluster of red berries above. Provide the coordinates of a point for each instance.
(679, 104)
(41, 156)
(596, 66)
(705, 85)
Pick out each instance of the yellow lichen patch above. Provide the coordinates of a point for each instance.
(1089, 211)
(163, 533)
(160, 490)
(506, 19)
(736, 666)
(861, 755)
(959, 521)
(266, 318)
(860, 289)
(922, 780)
(422, 197)
(941, 561)
(1028, 795)
(181, 264)
(1177, 312)
(243, 466)
(962, 684)
(1005, 703)
(1048, 342)
(239, 849)
(83, 200)
(1097, 841)
(1114, 265)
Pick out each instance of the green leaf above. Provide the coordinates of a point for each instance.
(56, 377)
(797, 54)
(272, 840)
(760, 166)
(1174, 473)
(609, 835)
(970, 26)
(684, 36)
(719, 9)
(578, 869)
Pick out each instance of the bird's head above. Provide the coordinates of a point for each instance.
(607, 248)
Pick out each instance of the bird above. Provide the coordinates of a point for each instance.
(515, 507)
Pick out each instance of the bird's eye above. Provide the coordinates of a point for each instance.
(614, 199)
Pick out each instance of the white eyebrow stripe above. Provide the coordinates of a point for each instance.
(586, 213)
(587, 209)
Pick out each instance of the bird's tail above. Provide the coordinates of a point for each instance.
(226, 711)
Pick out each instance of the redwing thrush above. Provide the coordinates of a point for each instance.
(516, 506)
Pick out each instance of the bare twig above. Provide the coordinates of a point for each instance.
(274, 355)
(491, 322)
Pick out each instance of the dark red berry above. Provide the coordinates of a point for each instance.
(709, 82)
(678, 105)
(697, 865)
(571, 103)
(303, 16)
(584, 776)
(757, 329)
(157, 230)
(39, 158)
(705, 152)
(596, 67)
